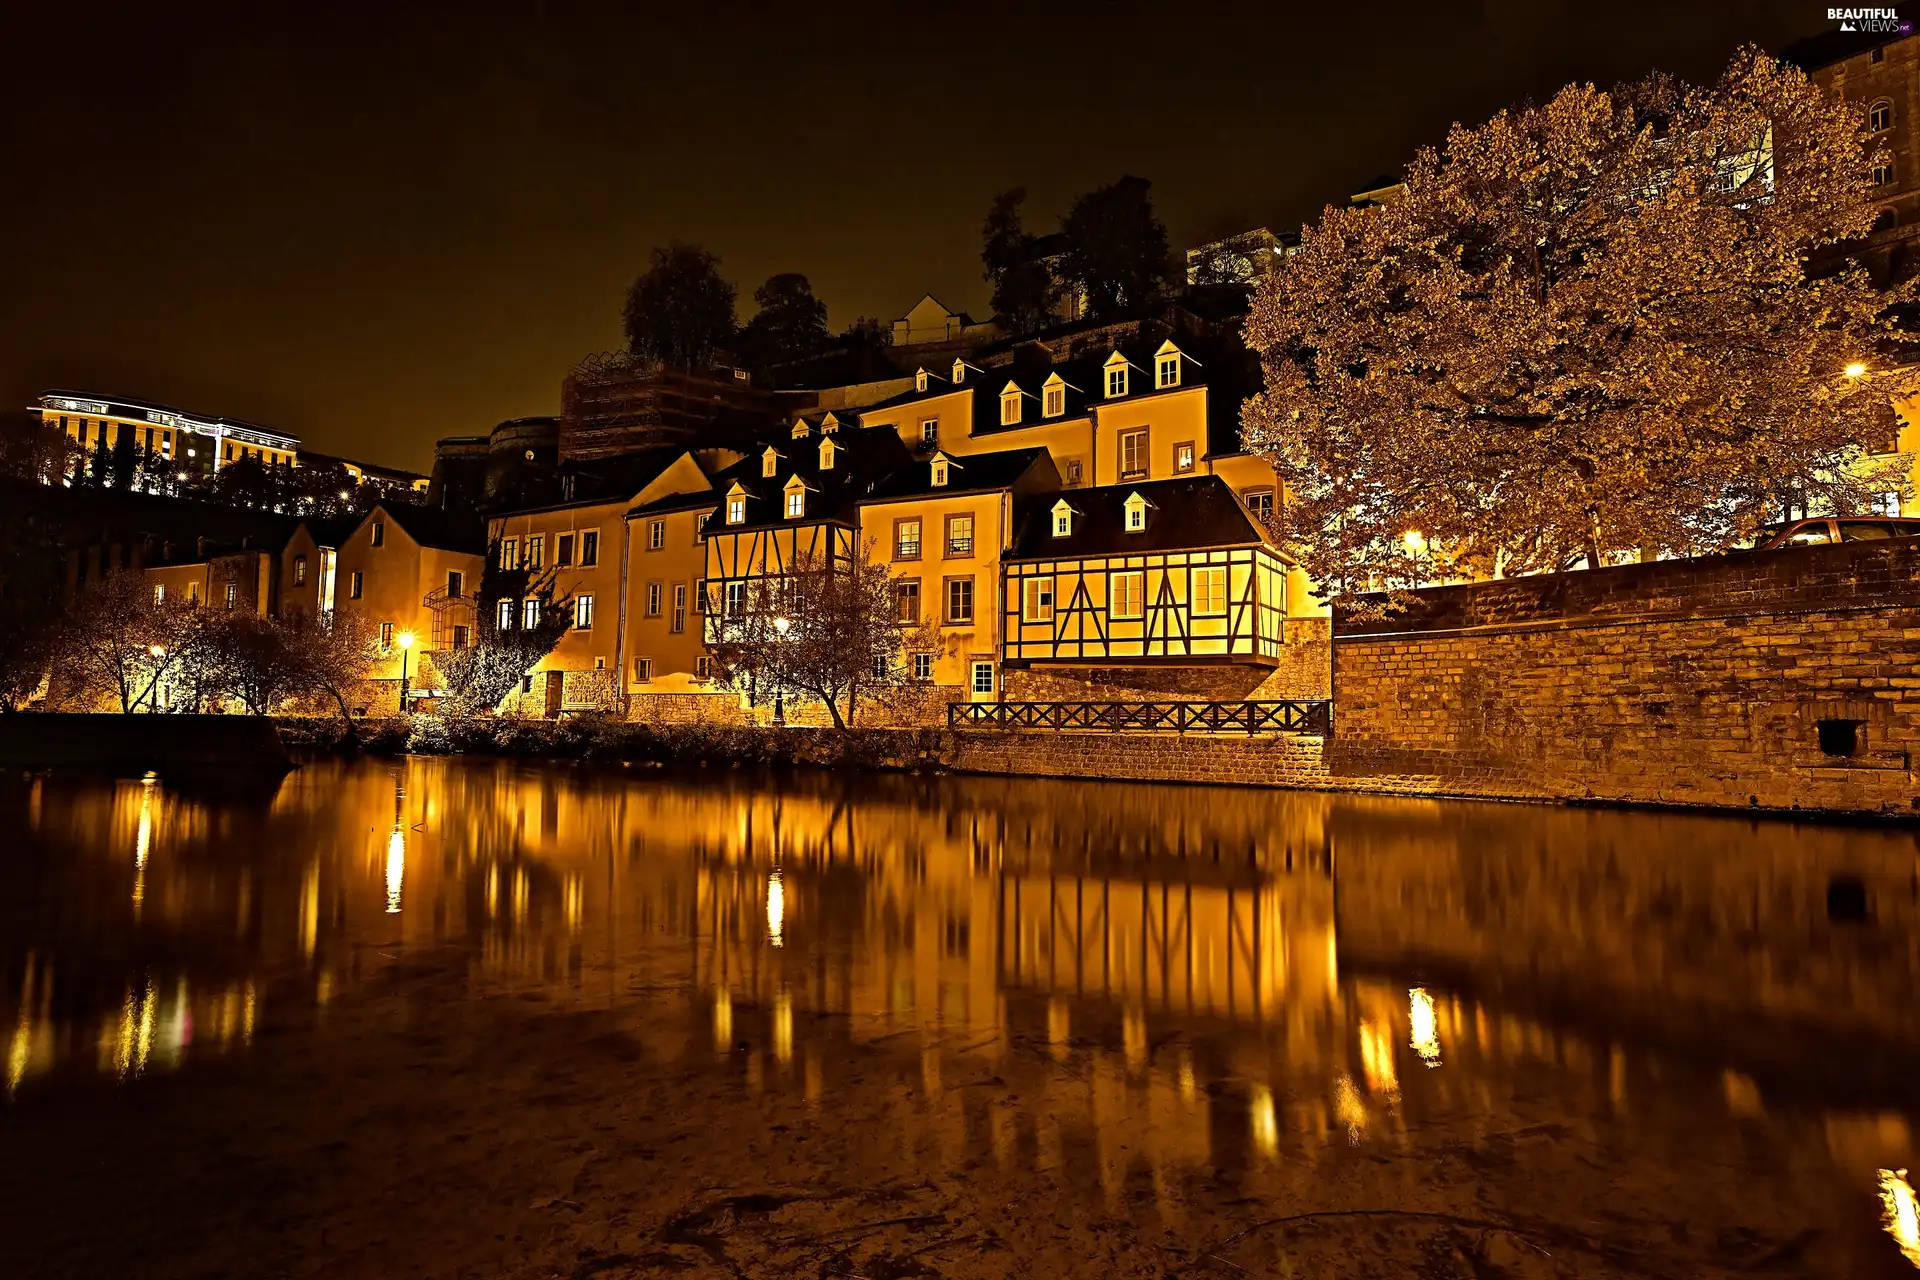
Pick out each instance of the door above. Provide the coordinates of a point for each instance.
(555, 681)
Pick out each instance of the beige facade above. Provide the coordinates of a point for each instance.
(419, 583)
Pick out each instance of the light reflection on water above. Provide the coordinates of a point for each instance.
(1222, 976)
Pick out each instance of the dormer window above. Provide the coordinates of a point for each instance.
(796, 498)
(829, 425)
(1062, 519)
(1116, 369)
(1010, 406)
(1136, 507)
(827, 452)
(1166, 366)
(800, 429)
(736, 505)
(1053, 397)
(769, 462)
(940, 470)
(919, 379)
(959, 372)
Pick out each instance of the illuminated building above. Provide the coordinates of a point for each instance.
(188, 442)
(412, 571)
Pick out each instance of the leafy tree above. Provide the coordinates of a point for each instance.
(790, 325)
(842, 635)
(248, 482)
(334, 654)
(125, 458)
(867, 333)
(681, 311)
(1116, 249)
(1587, 327)
(30, 587)
(117, 643)
(1024, 288)
(480, 676)
(34, 452)
(257, 661)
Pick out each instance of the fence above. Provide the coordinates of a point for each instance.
(1279, 716)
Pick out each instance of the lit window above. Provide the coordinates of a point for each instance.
(737, 509)
(983, 677)
(536, 552)
(530, 614)
(1260, 503)
(959, 600)
(919, 379)
(1037, 602)
(940, 474)
(656, 535)
(906, 540)
(1880, 116)
(1183, 457)
(386, 635)
(590, 546)
(1062, 520)
(159, 593)
(906, 600)
(1169, 371)
(643, 670)
(796, 503)
(356, 582)
(299, 571)
(1116, 381)
(583, 613)
(959, 372)
(656, 594)
(1136, 514)
(1126, 595)
(929, 431)
(736, 599)
(1209, 591)
(923, 666)
(679, 607)
(506, 615)
(1133, 455)
(1055, 402)
(509, 553)
(959, 535)
(379, 538)
(1009, 406)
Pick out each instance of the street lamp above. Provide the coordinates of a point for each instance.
(405, 641)
(158, 652)
(781, 626)
(1856, 370)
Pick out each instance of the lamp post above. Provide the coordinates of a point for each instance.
(158, 652)
(405, 641)
(780, 626)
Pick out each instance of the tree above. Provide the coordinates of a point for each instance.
(1586, 328)
(117, 642)
(680, 312)
(35, 452)
(867, 333)
(505, 648)
(334, 653)
(790, 325)
(842, 637)
(255, 660)
(1024, 288)
(1116, 249)
(30, 583)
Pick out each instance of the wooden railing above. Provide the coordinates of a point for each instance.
(1279, 716)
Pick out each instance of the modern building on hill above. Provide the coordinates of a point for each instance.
(391, 481)
(193, 443)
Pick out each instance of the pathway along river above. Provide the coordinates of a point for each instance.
(486, 1018)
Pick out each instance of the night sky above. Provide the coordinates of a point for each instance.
(373, 227)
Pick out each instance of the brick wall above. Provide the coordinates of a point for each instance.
(1689, 682)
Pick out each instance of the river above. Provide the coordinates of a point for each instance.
(474, 1017)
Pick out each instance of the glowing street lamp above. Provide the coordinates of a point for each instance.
(781, 626)
(1856, 370)
(405, 641)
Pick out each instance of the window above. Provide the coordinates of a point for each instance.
(736, 509)
(643, 670)
(1183, 457)
(1259, 503)
(356, 582)
(959, 372)
(700, 526)
(1037, 602)
(536, 551)
(193, 592)
(1010, 406)
(656, 536)
(959, 535)
(929, 431)
(938, 473)
(1126, 595)
(526, 684)
(703, 667)
(590, 546)
(1883, 173)
(679, 607)
(1136, 508)
(906, 600)
(769, 463)
(880, 667)
(1054, 403)
(509, 553)
(460, 634)
(563, 549)
(736, 599)
(1116, 380)
(159, 593)
(506, 615)
(796, 503)
(701, 596)
(1133, 455)
(1168, 369)
(906, 539)
(656, 592)
(379, 538)
(959, 600)
(919, 379)
(923, 666)
(1062, 520)
(1209, 591)
(530, 614)
(826, 455)
(982, 681)
(456, 582)
(299, 571)
(583, 613)
(1071, 475)
(386, 635)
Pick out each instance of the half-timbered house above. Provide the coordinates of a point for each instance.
(1166, 573)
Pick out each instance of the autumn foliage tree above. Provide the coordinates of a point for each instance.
(1587, 328)
(505, 648)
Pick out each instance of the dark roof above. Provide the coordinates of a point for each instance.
(865, 455)
(1085, 378)
(330, 531)
(441, 530)
(308, 458)
(676, 502)
(1187, 513)
(1829, 47)
(969, 473)
(594, 482)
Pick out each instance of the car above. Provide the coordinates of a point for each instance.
(1823, 530)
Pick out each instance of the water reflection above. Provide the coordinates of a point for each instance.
(1221, 979)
